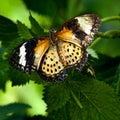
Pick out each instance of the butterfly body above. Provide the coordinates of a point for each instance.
(50, 56)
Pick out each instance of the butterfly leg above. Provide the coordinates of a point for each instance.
(90, 69)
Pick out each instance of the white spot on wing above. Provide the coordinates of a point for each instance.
(85, 24)
(22, 55)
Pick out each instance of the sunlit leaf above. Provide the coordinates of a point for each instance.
(92, 53)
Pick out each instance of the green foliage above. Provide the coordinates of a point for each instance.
(81, 96)
(3, 70)
(19, 78)
(23, 31)
(8, 30)
(117, 77)
(98, 100)
(35, 27)
(92, 53)
(59, 96)
(16, 111)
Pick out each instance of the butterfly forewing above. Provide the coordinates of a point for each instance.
(27, 56)
(41, 47)
(79, 30)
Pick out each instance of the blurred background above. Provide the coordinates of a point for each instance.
(51, 14)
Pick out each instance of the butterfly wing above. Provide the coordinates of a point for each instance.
(79, 30)
(38, 55)
(27, 57)
(51, 67)
(73, 38)
(50, 57)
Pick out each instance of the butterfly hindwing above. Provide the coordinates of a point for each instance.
(51, 67)
(69, 53)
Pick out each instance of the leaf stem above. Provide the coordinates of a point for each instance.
(76, 99)
(110, 18)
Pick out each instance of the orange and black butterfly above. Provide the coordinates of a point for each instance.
(50, 56)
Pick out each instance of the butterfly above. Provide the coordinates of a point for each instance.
(50, 56)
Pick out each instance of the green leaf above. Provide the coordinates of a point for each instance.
(8, 30)
(41, 7)
(35, 27)
(13, 111)
(60, 114)
(18, 77)
(108, 46)
(92, 53)
(23, 31)
(110, 66)
(99, 101)
(56, 96)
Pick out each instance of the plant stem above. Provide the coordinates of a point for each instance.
(109, 34)
(110, 18)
